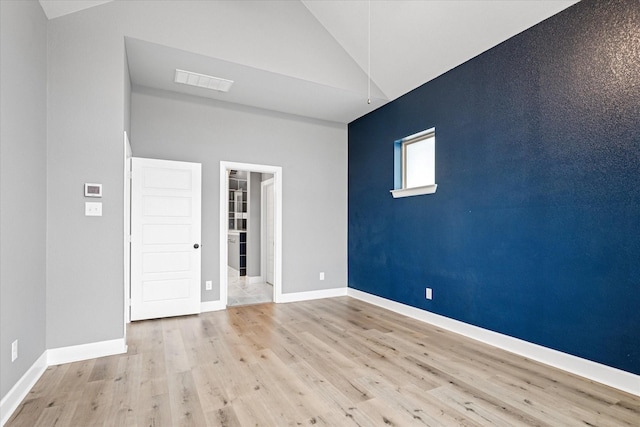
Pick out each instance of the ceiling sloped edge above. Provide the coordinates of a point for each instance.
(361, 24)
(56, 8)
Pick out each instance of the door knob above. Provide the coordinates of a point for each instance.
(196, 246)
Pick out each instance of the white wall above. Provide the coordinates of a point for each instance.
(312, 153)
(23, 55)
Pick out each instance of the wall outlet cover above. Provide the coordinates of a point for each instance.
(93, 208)
(14, 350)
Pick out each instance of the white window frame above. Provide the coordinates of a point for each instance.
(400, 160)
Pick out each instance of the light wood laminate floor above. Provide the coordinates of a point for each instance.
(332, 362)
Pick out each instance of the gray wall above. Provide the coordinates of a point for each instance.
(127, 95)
(254, 232)
(23, 55)
(87, 115)
(313, 155)
(80, 115)
(86, 121)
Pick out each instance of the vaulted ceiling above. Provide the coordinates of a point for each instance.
(410, 43)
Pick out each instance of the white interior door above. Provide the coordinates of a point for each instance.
(269, 231)
(165, 238)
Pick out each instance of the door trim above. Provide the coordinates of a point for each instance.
(224, 215)
(127, 232)
(263, 230)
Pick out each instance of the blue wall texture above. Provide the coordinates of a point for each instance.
(534, 231)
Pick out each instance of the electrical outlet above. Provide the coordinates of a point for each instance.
(428, 293)
(93, 208)
(322, 275)
(209, 285)
(14, 350)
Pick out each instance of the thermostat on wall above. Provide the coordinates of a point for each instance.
(92, 190)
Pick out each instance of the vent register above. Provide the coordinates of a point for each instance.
(202, 80)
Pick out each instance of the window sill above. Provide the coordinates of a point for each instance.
(416, 191)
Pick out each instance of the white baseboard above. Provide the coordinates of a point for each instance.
(598, 372)
(19, 391)
(75, 353)
(206, 306)
(311, 295)
(52, 357)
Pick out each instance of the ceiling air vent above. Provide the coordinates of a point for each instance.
(203, 81)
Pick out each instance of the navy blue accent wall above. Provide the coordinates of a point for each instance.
(534, 231)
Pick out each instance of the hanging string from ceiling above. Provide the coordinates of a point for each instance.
(369, 56)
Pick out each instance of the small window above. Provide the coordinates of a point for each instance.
(415, 165)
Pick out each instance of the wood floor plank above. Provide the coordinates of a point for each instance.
(445, 414)
(336, 370)
(573, 414)
(252, 410)
(341, 405)
(211, 391)
(94, 408)
(76, 376)
(223, 417)
(154, 411)
(333, 362)
(176, 358)
(290, 389)
(475, 409)
(50, 380)
(58, 415)
(103, 368)
(402, 408)
(28, 413)
(266, 390)
(482, 391)
(126, 384)
(186, 409)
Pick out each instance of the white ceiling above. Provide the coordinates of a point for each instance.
(153, 65)
(411, 42)
(56, 8)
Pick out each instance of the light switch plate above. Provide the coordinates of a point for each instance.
(93, 208)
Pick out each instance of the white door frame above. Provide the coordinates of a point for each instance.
(263, 229)
(224, 223)
(127, 232)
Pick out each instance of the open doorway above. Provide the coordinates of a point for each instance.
(248, 280)
(250, 233)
